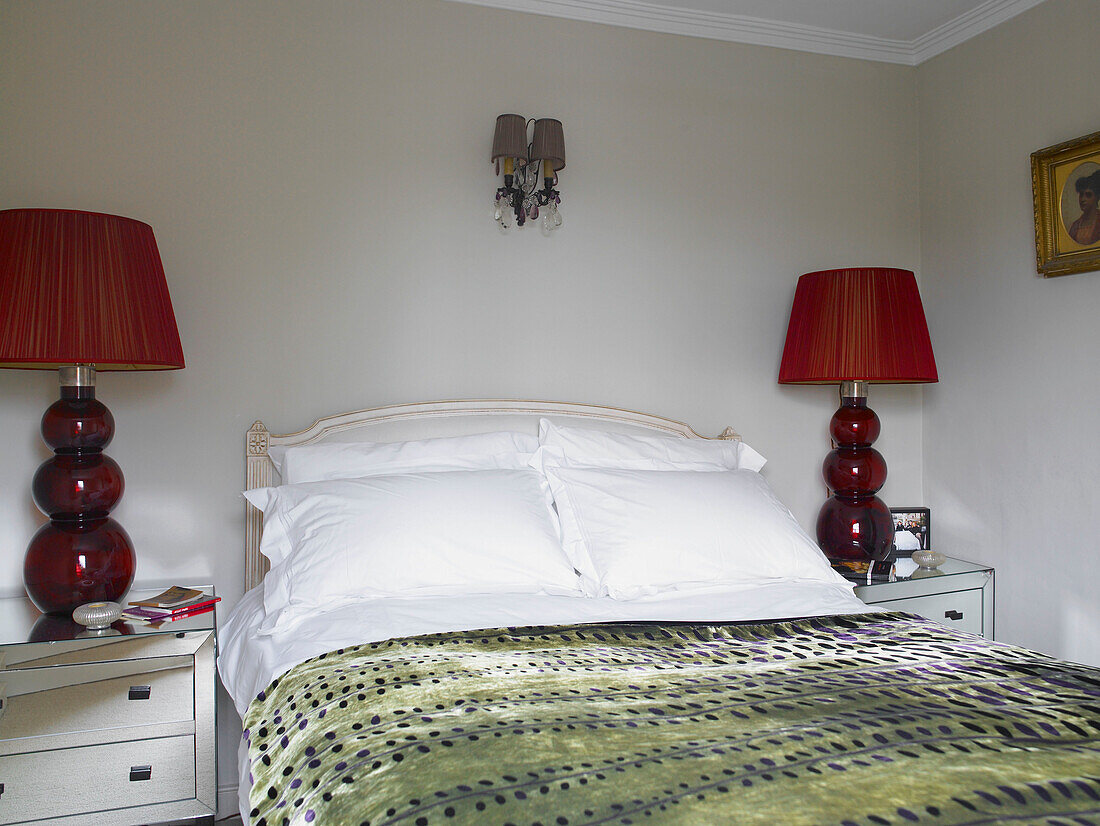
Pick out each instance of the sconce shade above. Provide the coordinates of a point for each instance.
(549, 142)
(510, 138)
(83, 288)
(859, 324)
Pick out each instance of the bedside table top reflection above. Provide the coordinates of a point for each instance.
(950, 567)
(21, 622)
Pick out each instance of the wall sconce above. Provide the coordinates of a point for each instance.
(520, 195)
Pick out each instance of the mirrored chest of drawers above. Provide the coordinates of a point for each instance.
(111, 730)
(957, 594)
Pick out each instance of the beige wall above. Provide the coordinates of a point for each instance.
(317, 176)
(1011, 459)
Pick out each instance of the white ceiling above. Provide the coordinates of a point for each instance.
(894, 31)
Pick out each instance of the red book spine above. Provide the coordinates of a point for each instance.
(188, 609)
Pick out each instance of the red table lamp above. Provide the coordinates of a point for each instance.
(854, 327)
(81, 292)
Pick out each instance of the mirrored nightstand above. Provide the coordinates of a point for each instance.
(958, 594)
(112, 730)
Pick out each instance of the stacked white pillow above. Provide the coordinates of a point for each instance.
(644, 514)
(462, 515)
(585, 447)
(351, 460)
(410, 535)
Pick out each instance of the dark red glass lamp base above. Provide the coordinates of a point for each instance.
(856, 529)
(70, 564)
(854, 524)
(82, 555)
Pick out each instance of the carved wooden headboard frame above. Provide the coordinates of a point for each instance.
(423, 421)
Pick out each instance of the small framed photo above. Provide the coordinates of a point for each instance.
(1065, 184)
(914, 521)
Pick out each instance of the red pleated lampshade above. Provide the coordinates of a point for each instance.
(860, 324)
(83, 288)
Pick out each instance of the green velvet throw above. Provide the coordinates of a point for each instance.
(866, 719)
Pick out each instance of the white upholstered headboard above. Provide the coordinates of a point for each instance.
(427, 420)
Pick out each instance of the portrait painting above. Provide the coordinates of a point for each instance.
(1080, 215)
(1066, 188)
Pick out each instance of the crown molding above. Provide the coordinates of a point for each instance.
(736, 28)
(970, 24)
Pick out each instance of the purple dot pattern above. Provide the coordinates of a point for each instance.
(866, 720)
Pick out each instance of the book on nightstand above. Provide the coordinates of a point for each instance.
(864, 571)
(151, 616)
(175, 603)
(175, 597)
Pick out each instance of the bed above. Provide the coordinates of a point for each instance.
(535, 612)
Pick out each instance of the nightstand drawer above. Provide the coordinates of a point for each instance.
(40, 702)
(958, 609)
(97, 650)
(71, 781)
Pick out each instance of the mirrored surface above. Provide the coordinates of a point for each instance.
(21, 622)
(951, 567)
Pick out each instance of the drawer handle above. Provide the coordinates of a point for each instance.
(140, 692)
(140, 772)
(953, 615)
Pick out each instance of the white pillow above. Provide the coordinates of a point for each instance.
(421, 534)
(353, 460)
(584, 447)
(635, 532)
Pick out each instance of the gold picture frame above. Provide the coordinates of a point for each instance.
(1065, 183)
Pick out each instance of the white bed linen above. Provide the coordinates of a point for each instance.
(248, 661)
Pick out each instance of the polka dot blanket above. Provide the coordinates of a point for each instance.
(864, 719)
